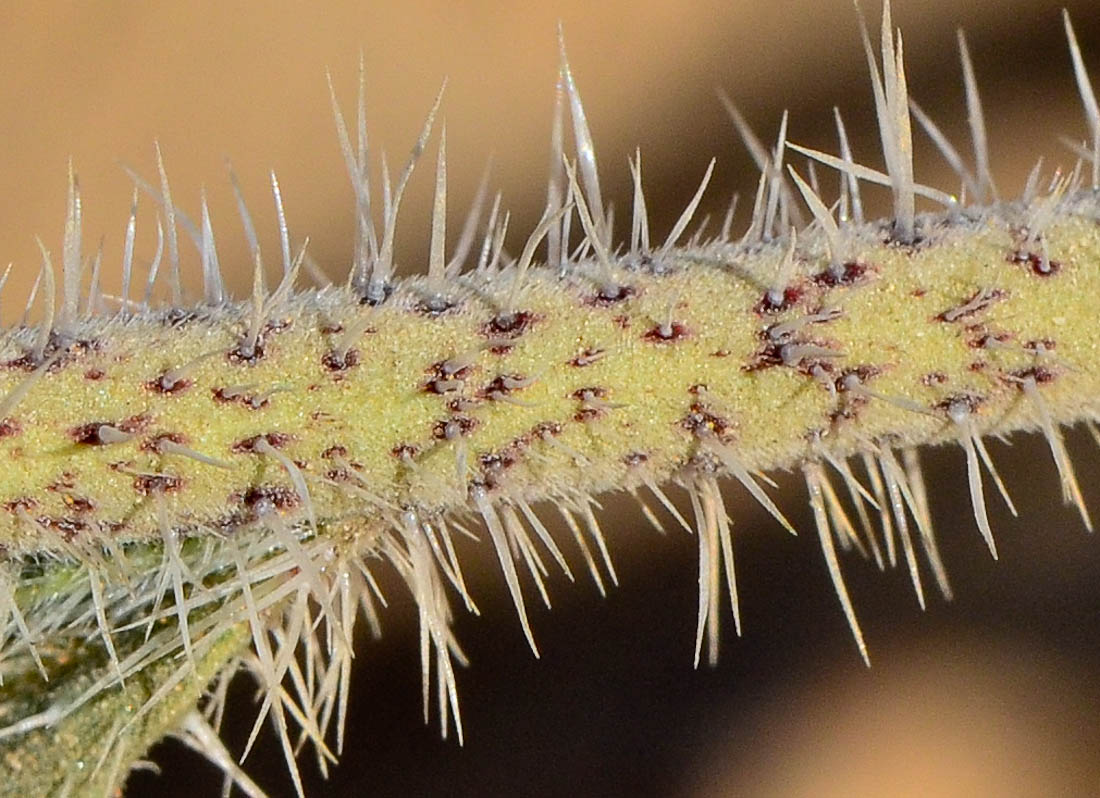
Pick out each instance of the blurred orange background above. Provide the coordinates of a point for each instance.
(994, 693)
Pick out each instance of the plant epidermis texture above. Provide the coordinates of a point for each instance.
(573, 391)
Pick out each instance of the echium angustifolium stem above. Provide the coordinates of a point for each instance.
(189, 477)
(685, 372)
(571, 392)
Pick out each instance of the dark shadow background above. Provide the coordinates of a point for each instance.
(993, 693)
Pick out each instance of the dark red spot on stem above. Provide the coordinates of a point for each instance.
(276, 440)
(606, 297)
(451, 428)
(153, 444)
(147, 484)
(1041, 374)
(279, 497)
(1039, 266)
(509, 325)
(848, 274)
(242, 357)
(405, 451)
(666, 333)
(701, 421)
(768, 304)
(587, 357)
(334, 361)
(164, 385)
(89, 434)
